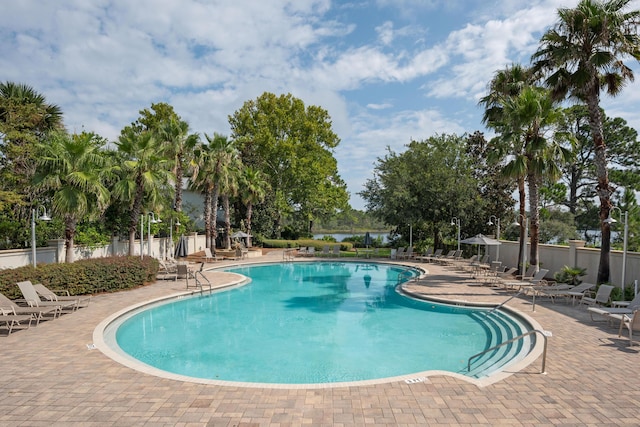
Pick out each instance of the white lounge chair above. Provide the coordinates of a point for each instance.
(525, 285)
(572, 292)
(10, 319)
(38, 313)
(603, 296)
(49, 295)
(209, 256)
(632, 323)
(32, 298)
(336, 250)
(619, 309)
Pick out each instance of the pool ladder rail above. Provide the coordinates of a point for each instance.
(201, 279)
(544, 335)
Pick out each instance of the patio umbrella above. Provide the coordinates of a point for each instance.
(368, 241)
(481, 239)
(181, 247)
(239, 235)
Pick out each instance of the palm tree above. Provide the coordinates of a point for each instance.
(144, 175)
(253, 190)
(74, 168)
(582, 55)
(211, 170)
(528, 114)
(506, 85)
(25, 119)
(178, 145)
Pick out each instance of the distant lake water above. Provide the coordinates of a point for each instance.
(341, 236)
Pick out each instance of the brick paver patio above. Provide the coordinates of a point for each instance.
(50, 377)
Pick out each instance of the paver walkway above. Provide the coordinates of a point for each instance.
(51, 378)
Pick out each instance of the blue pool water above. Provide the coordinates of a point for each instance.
(316, 322)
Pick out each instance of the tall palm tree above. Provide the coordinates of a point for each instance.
(179, 146)
(253, 189)
(506, 85)
(74, 168)
(528, 115)
(581, 55)
(25, 118)
(211, 169)
(145, 175)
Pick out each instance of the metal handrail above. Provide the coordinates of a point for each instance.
(502, 303)
(519, 337)
(199, 283)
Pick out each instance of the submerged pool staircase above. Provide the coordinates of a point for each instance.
(507, 343)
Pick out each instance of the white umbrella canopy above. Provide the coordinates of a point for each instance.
(481, 239)
(239, 235)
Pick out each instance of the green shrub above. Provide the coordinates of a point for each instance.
(317, 244)
(84, 277)
(570, 275)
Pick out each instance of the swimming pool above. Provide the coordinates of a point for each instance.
(315, 322)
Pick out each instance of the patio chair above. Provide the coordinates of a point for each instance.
(437, 254)
(167, 270)
(603, 296)
(526, 285)
(326, 250)
(209, 256)
(10, 319)
(426, 254)
(408, 254)
(311, 251)
(566, 291)
(632, 323)
(400, 252)
(302, 251)
(619, 309)
(335, 250)
(49, 295)
(184, 272)
(32, 298)
(38, 313)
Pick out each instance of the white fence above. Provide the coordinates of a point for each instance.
(55, 252)
(552, 257)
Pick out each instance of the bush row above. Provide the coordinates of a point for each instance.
(317, 244)
(83, 277)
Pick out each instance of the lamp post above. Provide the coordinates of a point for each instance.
(456, 221)
(610, 221)
(523, 244)
(497, 234)
(152, 220)
(43, 217)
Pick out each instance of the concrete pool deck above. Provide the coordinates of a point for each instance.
(50, 377)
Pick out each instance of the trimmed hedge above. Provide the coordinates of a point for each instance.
(84, 277)
(317, 244)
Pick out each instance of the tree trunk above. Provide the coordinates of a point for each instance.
(178, 187)
(534, 222)
(207, 217)
(603, 188)
(249, 213)
(523, 221)
(135, 214)
(69, 232)
(214, 215)
(227, 221)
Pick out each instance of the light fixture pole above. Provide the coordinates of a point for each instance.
(141, 236)
(152, 220)
(43, 217)
(610, 221)
(497, 234)
(456, 221)
(523, 244)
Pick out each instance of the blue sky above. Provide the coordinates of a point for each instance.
(386, 70)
